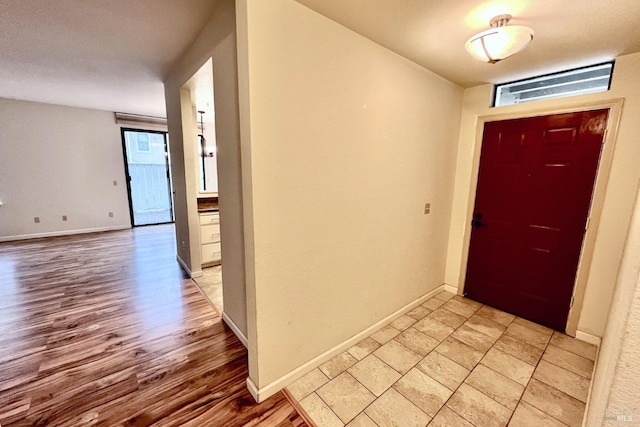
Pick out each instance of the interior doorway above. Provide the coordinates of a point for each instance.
(148, 176)
(533, 197)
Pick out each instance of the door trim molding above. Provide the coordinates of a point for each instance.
(614, 106)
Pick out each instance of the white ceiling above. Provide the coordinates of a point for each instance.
(432, 33)
(103, 54)
(113, 54)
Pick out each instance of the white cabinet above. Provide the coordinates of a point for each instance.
(210, 238)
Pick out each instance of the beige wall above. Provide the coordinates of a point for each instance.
(216, 40)
(55, 161)
(343, 143)
(615, 390)
(618, 201)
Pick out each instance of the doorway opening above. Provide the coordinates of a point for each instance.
(201, 118)
(534, 192)
(147, 161)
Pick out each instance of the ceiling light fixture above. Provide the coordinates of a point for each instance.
(500, 41)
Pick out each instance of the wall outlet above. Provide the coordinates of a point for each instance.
(427, 208)
(64, 217)
(36, 219)
(110, 214)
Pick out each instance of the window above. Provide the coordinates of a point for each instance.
(143, 144)
(596, 78)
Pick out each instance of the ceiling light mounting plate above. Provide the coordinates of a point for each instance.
(500, 20)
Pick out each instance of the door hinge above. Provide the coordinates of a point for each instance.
(586, 226)
(571, 303)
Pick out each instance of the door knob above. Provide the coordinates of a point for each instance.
(477, 221)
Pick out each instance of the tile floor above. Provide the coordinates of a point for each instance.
(453, 362)
(210, 283)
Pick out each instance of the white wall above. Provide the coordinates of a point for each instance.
(618, 200)
(343, 143)
(217, 40)
(615, 390)
(56, 161)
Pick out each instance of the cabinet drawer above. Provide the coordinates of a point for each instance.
(211, 253)
(209, 233)
(210, 218)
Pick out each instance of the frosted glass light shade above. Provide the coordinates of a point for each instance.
(498, 43)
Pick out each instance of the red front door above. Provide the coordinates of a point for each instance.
(532, 201)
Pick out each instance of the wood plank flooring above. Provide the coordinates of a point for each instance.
(105, 329)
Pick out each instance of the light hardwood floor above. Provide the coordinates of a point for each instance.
(105, 329)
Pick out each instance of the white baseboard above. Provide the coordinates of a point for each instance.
(586, 337)
(236, 330)
(192, 274)
(253, 390)
(260, 394)
(449, 288)
(62, 233)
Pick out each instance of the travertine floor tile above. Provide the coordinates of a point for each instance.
(453, 362)
(418, 313)
(433, 303)
(417, 341)
(495, 315)
(528, 335)
(460, 352)
(572, 384)
(385, 334)
(573, 345)
(362, 420)
(423, 391)
(486, 326)
(319, 412)
(447, 317)
(433, 328)
(398, 356)
(518, 349)
(364, 348)
(498, 387)
(508, 366)
(569, 361)
(345, 396)
(307, 384)
(374, 374)
(477, 408)
(471, 303)
(473, 338)
(444, 295)
(338, 365)
(528, 416)
(403, 322)
(444, 370)
(394, 410)
(531, 325)
(447, 418)
(460, 308)
(554, 402)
